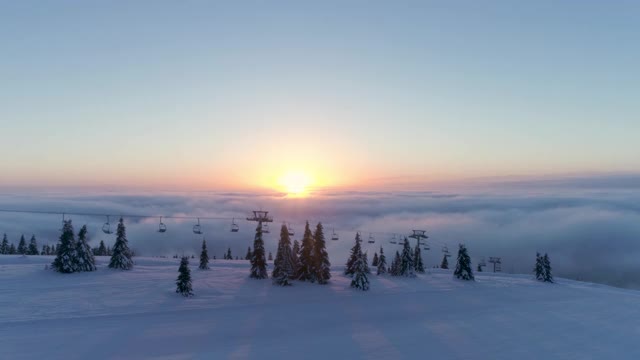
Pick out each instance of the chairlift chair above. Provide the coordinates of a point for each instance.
(393, 239)
(234, 226)
(197, 229)
(291, 232)
(106, 228)
(162, 227)
(265, 228)
(371, 240)
(334, 236)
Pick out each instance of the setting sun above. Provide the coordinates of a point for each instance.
(295, 183)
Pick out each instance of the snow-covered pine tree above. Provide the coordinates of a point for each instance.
(445, 262)
(102, 250)
(538, 269)
(395, 264)
(283, 265)
(548, 276)
(4, 247)
(306, 260)
(12, 249)
(204, 257)
(84, 256)
(249, 254)
(270, 258)
(356, 253)
(229, 256)
(120, 254)
(322, 265)
(33, 246)
(382, 263)
(463, 266)
(375, 260)
(295, 257)
(258, 261)
(66, 257)
(365, 257)
(44, 250)
(360, 280)
(417, 260)
(22, 246)
(407, 269)
(183, 283)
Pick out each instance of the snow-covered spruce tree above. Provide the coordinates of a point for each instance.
(417, 260)
(283, 265)
(258, 260)
(445, 262)
(66, 250)
(306, 260)
(12, 249)
(33, 246)
(44, 250)
(365, 257)
(407, 269)
(463, 266)
(22, 246)
(102, 250)
(375, 260)
(229, 256)
(322, 265)
(4, 247)
(295, 257)
(183, 283)
(249, 254)
(356, 253)
(204, 257)
(360, 280)
(84, 256)
(539, 268)
(382, 263)
(121, 254)
(546, 263)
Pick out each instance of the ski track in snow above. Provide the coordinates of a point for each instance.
(137, 315)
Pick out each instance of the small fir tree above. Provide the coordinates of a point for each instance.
(12, 249)
(121, 254)
(229, 256)
(360, 280)
(306, 269)
(546, 263)
(44, 250)
(463, 266)
(204, 257)
(417, 260)
(375, 260)
(479, 268)
(183, 283)
(295, 257)
(258, 261)
(84, 256)
(102, 250)
(407, 268)
(356, 253)
(22, 246)
(66, 257)
(270, 258)
(322, 265)
(382, 263)
(365, 257)
(445, 262)
(33, 246)
(283, 265)
(249, 254)
(395, 264)
(4, 247)
(539, 268)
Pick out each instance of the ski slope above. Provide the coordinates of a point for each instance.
(137, 315)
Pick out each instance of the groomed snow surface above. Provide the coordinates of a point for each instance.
(137, 315)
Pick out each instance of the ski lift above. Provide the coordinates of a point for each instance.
(162, 227)
(482, 262)
(371, 240)
(426, 246)
(197, 229)
(265, 228)
(334, 236)
(291, 232)
(445, 250)
(106, 228)
(234, 226)
(393, 239)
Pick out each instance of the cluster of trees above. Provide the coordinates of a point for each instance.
(7, 248)
(542, 269)
(102, 250)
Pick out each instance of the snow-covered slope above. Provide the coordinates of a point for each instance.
(136, 315)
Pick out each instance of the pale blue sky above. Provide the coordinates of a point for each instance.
(189, 93)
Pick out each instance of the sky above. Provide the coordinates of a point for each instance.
(197, 95)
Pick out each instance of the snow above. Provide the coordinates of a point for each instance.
(113, 314)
